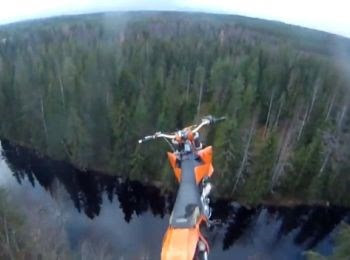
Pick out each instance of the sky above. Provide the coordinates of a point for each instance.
(325, 15)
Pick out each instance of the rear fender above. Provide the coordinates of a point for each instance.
(181, 243)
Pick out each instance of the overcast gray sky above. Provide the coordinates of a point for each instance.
(331, 16)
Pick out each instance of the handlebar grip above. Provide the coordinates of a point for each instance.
(146, 138)
(216, 120)
(213, 120)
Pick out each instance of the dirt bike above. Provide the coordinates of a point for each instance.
(192, 166)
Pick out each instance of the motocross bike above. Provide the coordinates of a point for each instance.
(192, 166)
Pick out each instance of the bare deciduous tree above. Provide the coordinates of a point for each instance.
(245, 154)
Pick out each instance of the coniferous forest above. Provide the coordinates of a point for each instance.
(85, 88)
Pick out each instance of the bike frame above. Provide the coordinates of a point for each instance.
(192, 167)
(181, 242)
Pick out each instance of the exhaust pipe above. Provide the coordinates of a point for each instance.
(206, 190)
(205, 200)
(202, 248)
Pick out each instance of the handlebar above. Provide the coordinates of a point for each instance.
(208, 120)
(156, 135)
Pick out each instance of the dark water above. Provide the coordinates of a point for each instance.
(127, 219)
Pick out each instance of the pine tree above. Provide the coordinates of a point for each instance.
(258, 183)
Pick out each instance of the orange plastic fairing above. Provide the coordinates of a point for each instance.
(180, 243)
(205, 169)
(172, 160)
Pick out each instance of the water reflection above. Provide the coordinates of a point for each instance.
(313, 224)
(262, 232)
(85, 188)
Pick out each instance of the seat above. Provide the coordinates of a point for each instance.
(187, 206)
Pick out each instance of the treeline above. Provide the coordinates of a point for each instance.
(85, 88)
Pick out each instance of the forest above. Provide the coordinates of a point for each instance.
(84, 89)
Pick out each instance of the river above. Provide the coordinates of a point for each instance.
(126, 219)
